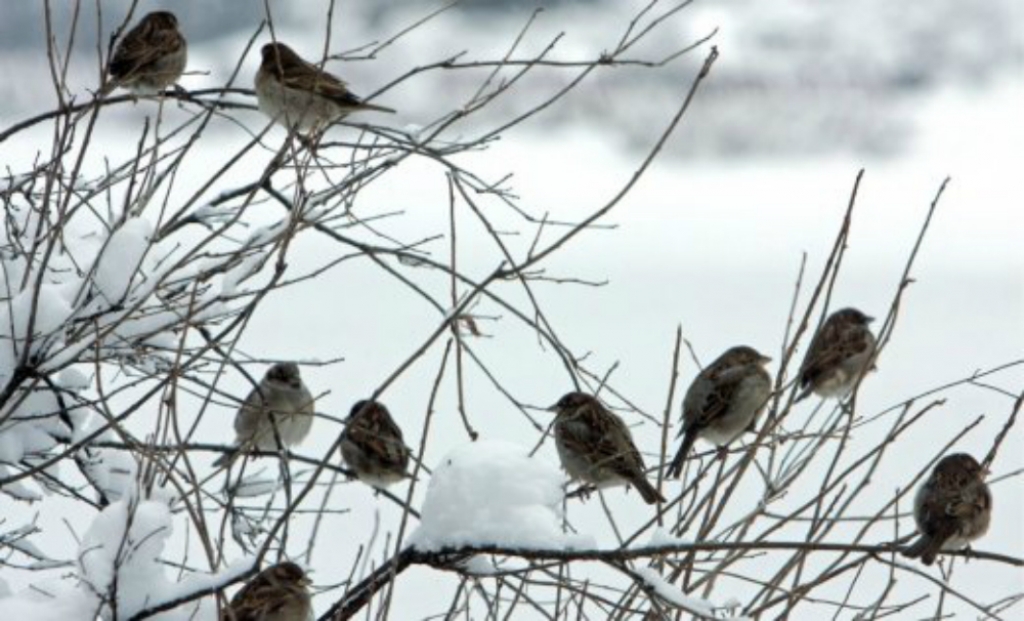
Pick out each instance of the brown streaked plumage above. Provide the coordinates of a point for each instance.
(952, 508)
(595, 446)
(281, 408)
(723, 401)
(300, 95)
(151, 57)
(278, 593)
(839, 354)
(372, 445)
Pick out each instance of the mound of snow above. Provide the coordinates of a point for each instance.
(494, 493)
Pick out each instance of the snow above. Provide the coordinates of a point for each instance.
(662, 537)
(199, 582)
(87, 276)
(105, 554)
(479, 565)
(29, 433)
(47, 309)
(268, 233)
(16, 489)
(123, 543)
(413, 131)
(493, 493)
(17, 539)
(112, 471)
(673, 594)
(245, 268)
(10, 448)
(120, 550)
(73, 379)
(49, 602)
(121, 259)
(732, 602)
(211, 214)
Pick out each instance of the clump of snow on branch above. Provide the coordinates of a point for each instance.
(43, 309)
(31, 426)
(673, 594)
(33, 429)
(494, 493)
(111, 472)
(662, 537)
(107, 288)
(120, 573)
(120, 550)
(122, 258)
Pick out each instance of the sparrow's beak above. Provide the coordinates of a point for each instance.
(553, 408)
(765, 359)
(868, 319)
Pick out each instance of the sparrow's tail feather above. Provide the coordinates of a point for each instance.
(375, 107)
(106, 88)
(225, 459)
(676, 469)
(926, 548)
(804, 393)
(647, 491)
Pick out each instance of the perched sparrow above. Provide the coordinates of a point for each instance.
(282, 407)
(595, 446)
(723, 401)
(952, 508)
(150, 57)
(278, 593)
(298, 94)
(839, 354)
(372, 445)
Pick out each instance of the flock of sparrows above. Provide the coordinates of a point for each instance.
(152, 57)
(952, 508)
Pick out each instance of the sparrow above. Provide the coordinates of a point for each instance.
(151, 57)
(278, 593)
(372, 445)
(952, 508)
(723, 401)
(300, 95)
(595, 446)
(840, 352)
(281, 407)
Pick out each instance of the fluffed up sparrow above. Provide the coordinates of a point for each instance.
(151, 57)
(723, 401)
(281, 408)
(595, 446)
(839, 354)
(952, 508)
(299, 95)
(278, 593)
(372, 445)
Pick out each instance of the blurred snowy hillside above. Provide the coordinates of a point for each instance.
(796, 77)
